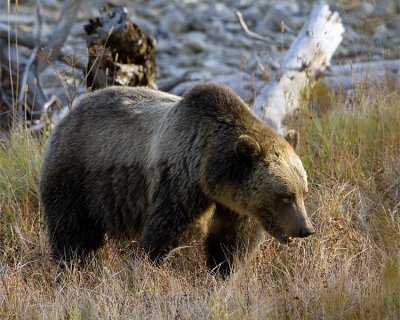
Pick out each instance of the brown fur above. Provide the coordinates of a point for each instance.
(137, 163)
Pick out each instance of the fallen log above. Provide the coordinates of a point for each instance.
(345, 77)
(340, 78)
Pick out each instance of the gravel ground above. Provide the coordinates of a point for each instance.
(205, 37)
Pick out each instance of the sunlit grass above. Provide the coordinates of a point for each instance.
(350, 269)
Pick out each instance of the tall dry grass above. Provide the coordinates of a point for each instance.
(350, 269)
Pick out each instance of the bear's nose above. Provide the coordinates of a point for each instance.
(305, 232)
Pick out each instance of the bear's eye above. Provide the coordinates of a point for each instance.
(287, 198)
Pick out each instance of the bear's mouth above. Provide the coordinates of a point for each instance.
(272, 227)
(283, 238)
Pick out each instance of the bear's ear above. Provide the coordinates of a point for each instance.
(247, 147)
(293, 137)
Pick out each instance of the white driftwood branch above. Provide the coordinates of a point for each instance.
(309, 54)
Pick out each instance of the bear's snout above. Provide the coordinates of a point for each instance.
(305, 232)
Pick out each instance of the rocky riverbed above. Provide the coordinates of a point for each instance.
(204, 36)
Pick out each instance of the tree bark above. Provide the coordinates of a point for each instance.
(119, 52)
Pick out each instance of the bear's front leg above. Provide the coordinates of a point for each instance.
(160, 236)
(231, 236)
(166, 223)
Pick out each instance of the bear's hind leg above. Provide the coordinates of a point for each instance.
(72, 232)
(231, 236)
(72, 240)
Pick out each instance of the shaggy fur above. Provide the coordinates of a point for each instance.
(135, 163)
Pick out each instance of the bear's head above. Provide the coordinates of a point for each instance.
(277, 187)
(264, 177)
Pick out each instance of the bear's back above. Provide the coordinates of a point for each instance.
(119, 102)
(107, 124)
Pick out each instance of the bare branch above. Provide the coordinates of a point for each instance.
(61, 32)
(289, 30)
(26, 40)
(53, 47)
(38, 23)
(38, 34)
(25, 76)
(255, 36)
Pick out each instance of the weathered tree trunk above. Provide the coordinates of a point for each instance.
(309, 54)
(119, 52)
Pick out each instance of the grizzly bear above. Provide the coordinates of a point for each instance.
(136, 163)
